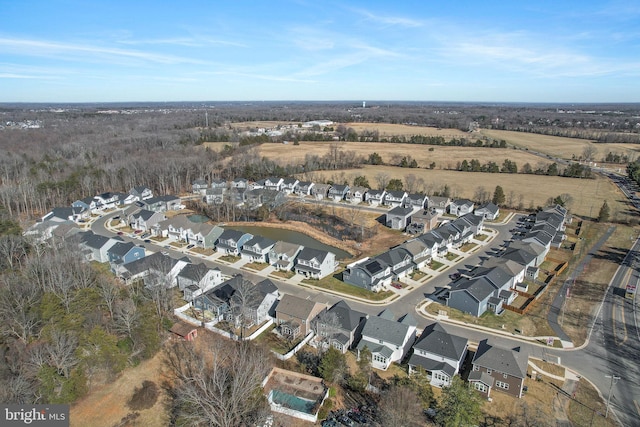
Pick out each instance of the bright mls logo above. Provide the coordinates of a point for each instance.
(37, 415)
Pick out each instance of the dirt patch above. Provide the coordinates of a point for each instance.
(106, 406)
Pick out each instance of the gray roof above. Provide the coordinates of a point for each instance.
(394, 256)
(431, 365)
(261, 242)
(266, 286)
(194, 272)
(233, 235)
(483, 377)
(520, 256)
(286, 248)
(488, 207)
(375, 347)
(310, 253)
(92, 240)
(144, 214)
(349, 319)
(400, 211)
(121, 248)
(385, 330)
(435, 339)
(508, 361)
(479, 288)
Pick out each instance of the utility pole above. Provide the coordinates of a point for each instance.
(614, 380)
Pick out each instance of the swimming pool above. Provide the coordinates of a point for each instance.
(292, 402)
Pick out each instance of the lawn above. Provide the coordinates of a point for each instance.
(259, 266)
(331, 283)
(276, 343)
(436, 265)
(283, 274)
(229, 258)
(417, 275)
(468, 247)
(452, 257)
(588, 409)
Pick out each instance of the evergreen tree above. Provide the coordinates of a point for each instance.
(603, 215)
(460, 405)
(498, 196)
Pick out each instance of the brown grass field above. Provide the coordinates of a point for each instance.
(444, 156)
(558, 146)
(587, 194)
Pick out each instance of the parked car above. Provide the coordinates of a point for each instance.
(147, 240)
(120, 233)
(137, 232)
(396, 285)
(190, 246)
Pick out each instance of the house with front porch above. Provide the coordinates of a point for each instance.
(144, 220)
(394, 198)
(294, 315)
(315, 263)
(356, 194)
(400, 260)
(376, 197)
(124, 252)
(257, 249)
(320, 191)
(230, 242)
(239, 183)
(304, 188)
(488, 211)
(283, 254)
(502, 368)
(338, 192)
(420, 252)
(388, 340)
(289, 185)
(439, 354)
(273, 183)
(417, 201)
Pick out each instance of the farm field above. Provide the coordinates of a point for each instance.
(587, 194)
(445, 157)
(387, 130)
(558, 146)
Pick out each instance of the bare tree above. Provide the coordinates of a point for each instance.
(109, 293)
(218, 384)
(61, 351)
(13, 250)
(126, 317)
(589, 153)
(242, 304)
(400, 406)
(411, 182)
(19, 307)
(382, 179)
(326, 327)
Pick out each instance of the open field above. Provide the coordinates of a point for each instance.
(531, 190)
(445, 157)
(387, 130)
(106, 405)
(558, 146)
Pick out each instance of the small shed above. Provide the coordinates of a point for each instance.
(184, 330)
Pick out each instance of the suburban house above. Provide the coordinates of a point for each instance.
(257, 249)
(461, 207)
(395, 198)
(439, 204)
(215, 302)
(283, 254)
(124, 253)
(419, 251)
(488, 211)
(356, 194)
(423, 221)
(239, 183)
(141, 193)
(388, 340)
(502, 368)
(416, 201)
(144, 219)
(181, 228)
(304, 188)
(398, 218)
(197, 278)
(230, 242)
(294, 315)
(315, 263)
(376, 197)
(214, 196)
(97, 246)
(439, 354)
(320, 191)
(400, 260)
(76, 214)
(161, 203)
(162, 269)
(369, 273)
(263, 196)
(88, 203)
(289, 185)
(108, 200)
(273, 183)
(340, 326)
(260, 304)
(199, 186)
(338, 192)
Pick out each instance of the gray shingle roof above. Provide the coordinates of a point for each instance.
(385, 330)
(508, 361)
(349, 319)
(296, 307)
(435, 339)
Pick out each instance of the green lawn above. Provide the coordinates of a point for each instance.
(435, 265)
(256, 265)
(417, 274)
(229, 258)
(451, 256)
(481, 237)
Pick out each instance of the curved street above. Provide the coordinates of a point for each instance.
(609, 353)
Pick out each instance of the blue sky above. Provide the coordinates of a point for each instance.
(425, 50)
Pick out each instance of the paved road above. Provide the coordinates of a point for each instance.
(605, 354)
